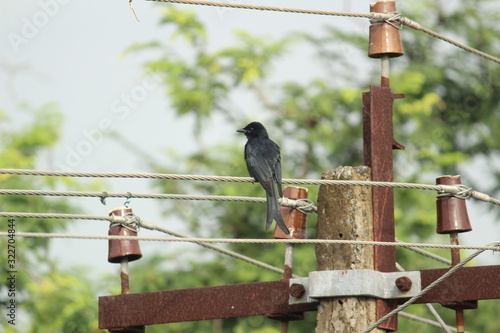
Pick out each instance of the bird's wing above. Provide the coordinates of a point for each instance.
(258, 166)
(274, 160)
(277, 176)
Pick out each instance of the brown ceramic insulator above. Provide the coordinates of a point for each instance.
(451, 211)
(294, 219)
(384, 37)
(118, 248)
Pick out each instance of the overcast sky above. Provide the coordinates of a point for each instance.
(68, 52)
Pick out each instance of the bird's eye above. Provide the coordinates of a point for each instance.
(250, 129)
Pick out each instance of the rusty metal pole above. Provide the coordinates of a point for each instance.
(296, 221)
(379, 142)
(385, 71)
(378, 145)
(124, 276)
(452, 218)
(455, 259)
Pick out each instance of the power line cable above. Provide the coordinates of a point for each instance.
(429, 306)
(429, 255)
(219, 249)
(428, 288)
(438, 317)
(271, 8)
(150, 226)
(303, 205)
(425, 320)
(460, 191)
(495, 246)
(390, 18)
(125, 220)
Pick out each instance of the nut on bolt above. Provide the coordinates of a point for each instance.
(297, 290)
(403, 283)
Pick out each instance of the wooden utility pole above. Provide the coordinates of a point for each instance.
(345, 212)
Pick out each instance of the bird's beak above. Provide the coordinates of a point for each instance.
(241, 130)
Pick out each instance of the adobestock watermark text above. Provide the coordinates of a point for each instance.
(31, 25)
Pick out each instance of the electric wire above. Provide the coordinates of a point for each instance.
(429, 255)
(425, 320)
(124, 220)
(438, 317)
(429, 306)
(460, 191)
(306, 206)
(219, 249)
(271, 8)
(390, 18)
(428, 288)
(495, 246)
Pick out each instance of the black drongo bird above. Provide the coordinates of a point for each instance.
(263, 160)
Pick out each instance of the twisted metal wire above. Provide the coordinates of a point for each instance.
(428, 288)
(390, 18)
(495, 246)
(460, 191)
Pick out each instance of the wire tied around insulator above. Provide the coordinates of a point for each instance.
(393, 20)
(129, 221)
(305, 206)
(463, 192)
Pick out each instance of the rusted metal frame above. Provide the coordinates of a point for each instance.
(467, 285)
(266, 298)
(379, 142)
(459, 308)
(160, 307)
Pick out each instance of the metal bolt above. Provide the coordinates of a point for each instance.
(297, 290)
(403, 283)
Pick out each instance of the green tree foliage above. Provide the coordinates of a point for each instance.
(62, 302)
(20, 148)
(448, 118)
(48, 298)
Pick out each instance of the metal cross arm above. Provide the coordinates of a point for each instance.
(170, 306)
(273, 298)
(467, 284)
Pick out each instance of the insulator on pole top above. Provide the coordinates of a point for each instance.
(384, 35)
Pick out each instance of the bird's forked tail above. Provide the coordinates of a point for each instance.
(273, 211)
